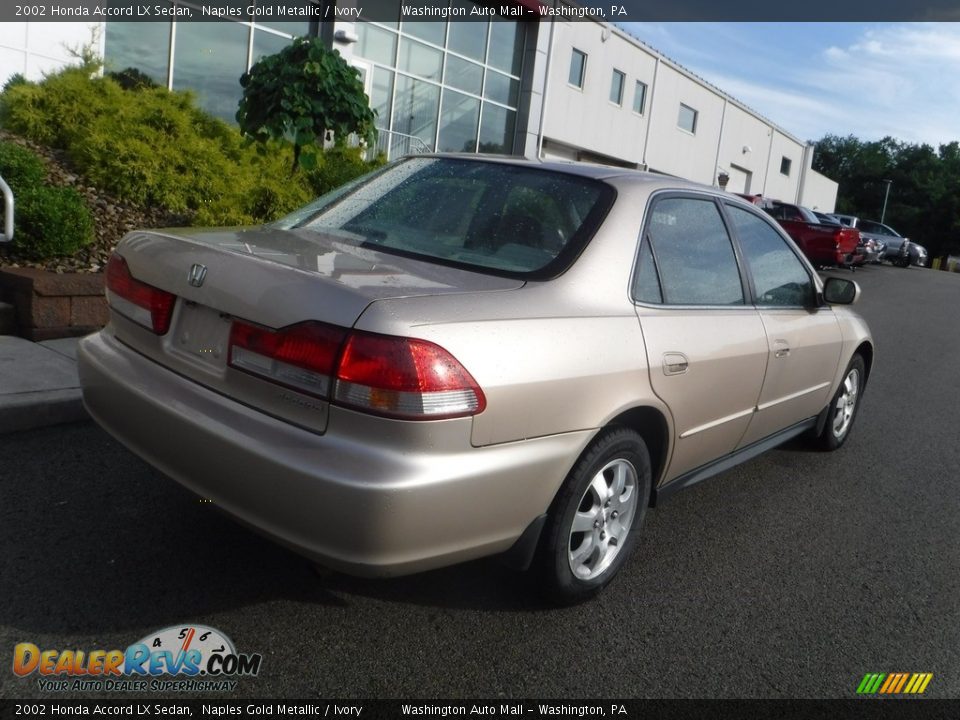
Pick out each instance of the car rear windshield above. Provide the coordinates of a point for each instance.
(495, 217)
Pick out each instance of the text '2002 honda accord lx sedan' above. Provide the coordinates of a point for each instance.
(455, 357)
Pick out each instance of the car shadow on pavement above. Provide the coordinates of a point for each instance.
(485, 584)
(89, 533)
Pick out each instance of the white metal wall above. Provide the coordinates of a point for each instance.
(582, 123)
(34, 48)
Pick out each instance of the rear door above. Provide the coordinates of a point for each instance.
(706, 345)
(804, 341)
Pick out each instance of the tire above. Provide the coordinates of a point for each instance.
(844, 406)
(592, 528)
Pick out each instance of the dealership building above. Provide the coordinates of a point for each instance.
(555, 88)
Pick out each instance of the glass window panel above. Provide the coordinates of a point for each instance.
(501, 88)
(382, 96)
(431, 31)
(464, 75)
(419, 59)
(616, 87)
(141, 45)
(779, 277)
(687, 119)
(647, 285)
(493, 216)
(376, 44)
(694, 253)
(459, 119)
(416, 105)
(506, 46)
(468, 38)
(268, 44)
(639, 97)
(209, 59)
(578, 67)
(496, 129)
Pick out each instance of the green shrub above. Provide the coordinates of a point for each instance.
(338, 166)
(132, 79)
(20, 168)
(51, 221)
(14, 80)
(153, 147)
(52, 112)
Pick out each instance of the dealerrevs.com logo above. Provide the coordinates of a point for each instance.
(176, 659)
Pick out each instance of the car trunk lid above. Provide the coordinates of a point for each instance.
(271, 278)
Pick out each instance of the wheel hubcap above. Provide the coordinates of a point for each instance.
(603, 519)
(846, 403)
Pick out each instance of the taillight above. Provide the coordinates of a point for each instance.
(301, 356)
(404, 378)
(381, 374)
(142, 303)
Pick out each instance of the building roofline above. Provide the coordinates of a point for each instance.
(686, 72)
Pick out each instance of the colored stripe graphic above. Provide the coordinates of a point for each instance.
(891, 681)
(894, 683)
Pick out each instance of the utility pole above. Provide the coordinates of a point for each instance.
(883, 213)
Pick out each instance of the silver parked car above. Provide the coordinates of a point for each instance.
(460, 356)
(918, 254)
(896, 247)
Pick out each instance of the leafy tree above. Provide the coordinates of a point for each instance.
(923, 203)
(301, 93)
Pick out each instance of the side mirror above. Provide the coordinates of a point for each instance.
(839, 291)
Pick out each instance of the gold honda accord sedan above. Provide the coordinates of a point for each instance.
(455, 357)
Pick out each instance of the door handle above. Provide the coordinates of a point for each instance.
(781, 349)
(675, 363)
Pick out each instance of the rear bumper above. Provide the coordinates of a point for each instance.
(419, 496)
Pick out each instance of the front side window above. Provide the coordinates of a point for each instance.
(578, 68)
(687, 120)
(779, 278)
(693, 253)
(497, 217)
(616, 87)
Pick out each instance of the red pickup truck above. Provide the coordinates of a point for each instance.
(822, 243)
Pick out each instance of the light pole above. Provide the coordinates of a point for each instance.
(883, 213)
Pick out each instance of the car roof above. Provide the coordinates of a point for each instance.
(587, 170)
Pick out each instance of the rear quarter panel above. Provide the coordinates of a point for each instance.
(552, 357)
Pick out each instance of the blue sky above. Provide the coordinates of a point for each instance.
(864, 79)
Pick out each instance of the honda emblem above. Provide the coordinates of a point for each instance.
(196, 275)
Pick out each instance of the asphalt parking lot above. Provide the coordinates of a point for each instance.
(790, 576)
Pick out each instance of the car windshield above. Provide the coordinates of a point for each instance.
(489, 216)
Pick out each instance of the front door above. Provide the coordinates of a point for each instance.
(804, 341)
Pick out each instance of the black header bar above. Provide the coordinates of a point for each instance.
(440, 11)
(498, 709)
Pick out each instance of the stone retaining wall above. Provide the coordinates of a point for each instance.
(54, 305)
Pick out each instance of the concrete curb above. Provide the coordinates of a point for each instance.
(38, 384)
(29, 411)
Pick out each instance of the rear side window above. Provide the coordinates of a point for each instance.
(694, 256)
(646, 287)
(876, 228)
(480, 215)
(779, 278)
